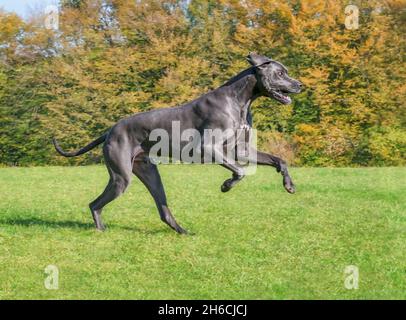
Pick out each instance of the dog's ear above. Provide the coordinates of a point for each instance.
(257, 60)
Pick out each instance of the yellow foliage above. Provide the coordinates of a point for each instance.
(137, 55)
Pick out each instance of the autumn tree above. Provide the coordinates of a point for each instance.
(112, 58)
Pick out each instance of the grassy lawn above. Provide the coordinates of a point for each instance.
(257, 241)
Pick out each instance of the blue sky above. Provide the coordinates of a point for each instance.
(23, 7)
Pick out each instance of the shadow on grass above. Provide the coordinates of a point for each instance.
(27, 222)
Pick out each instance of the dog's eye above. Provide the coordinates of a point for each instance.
(280, 73)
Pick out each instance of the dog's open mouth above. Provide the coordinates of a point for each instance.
(282, 97)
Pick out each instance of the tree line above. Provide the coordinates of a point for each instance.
(111, 58)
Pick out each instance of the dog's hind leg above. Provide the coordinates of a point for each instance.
(119, 167)
(148, 173)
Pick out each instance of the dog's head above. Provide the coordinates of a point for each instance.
(273, 79)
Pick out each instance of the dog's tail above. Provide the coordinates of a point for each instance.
(85, 149)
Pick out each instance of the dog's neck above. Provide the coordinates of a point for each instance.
(243, 89)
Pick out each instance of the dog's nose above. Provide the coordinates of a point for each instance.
(300, 85)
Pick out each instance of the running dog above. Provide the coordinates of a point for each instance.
(127, 144)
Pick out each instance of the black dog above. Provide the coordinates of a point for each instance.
(127, 145)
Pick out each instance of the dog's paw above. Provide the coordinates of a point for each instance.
(288, 184)
(101, 228)
(290, 189)
(180, 230)
(226, 186)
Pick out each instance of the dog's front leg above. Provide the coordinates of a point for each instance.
(263, 158)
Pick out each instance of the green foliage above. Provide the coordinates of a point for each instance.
(110, 59)
(387, 146)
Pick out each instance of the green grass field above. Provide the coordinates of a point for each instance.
(255, 242)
